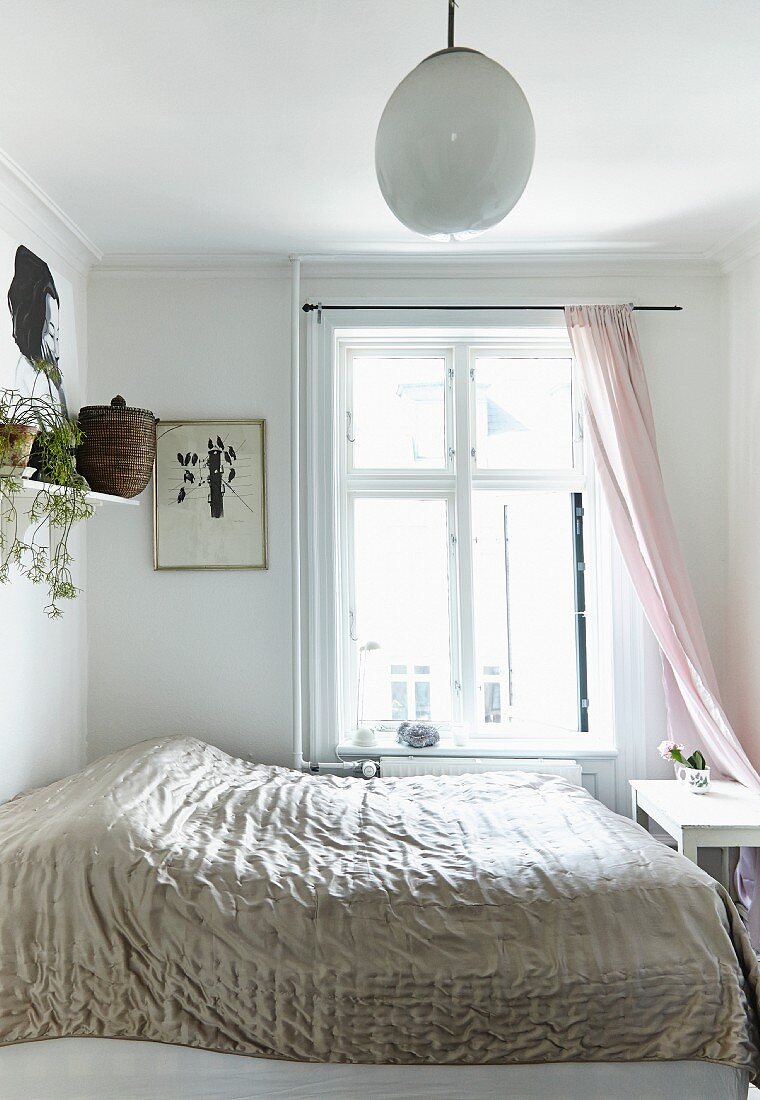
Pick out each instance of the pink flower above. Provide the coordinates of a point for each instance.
(670, 750)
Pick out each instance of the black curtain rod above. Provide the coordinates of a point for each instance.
(309, 307)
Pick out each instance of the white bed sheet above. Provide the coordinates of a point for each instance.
(110, 1069)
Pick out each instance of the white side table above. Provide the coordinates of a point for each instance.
(728, 816)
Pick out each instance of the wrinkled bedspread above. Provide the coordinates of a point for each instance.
(173, 893)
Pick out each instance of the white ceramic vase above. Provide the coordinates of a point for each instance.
(696, 779)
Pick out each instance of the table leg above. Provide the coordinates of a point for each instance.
(725, 870)
(638, 814)
(687, 846)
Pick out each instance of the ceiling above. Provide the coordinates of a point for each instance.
(237, 126)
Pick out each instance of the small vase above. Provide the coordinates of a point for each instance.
(696, 779)
(16, 444)
(460, 735)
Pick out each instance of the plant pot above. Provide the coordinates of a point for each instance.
(16, 444)
(696, 779)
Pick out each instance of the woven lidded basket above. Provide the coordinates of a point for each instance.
(119, 448)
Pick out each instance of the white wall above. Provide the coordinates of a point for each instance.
(210, 653)
(742, 655)
(43, 669)
(202, 653)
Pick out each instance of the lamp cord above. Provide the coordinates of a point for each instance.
(452, 6)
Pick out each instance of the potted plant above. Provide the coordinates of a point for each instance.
(59, 502)
(692, 770)
(15, 445)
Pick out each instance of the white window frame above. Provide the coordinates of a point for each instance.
(330, 665)
(391, 484)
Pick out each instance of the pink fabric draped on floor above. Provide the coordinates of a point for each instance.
(621, 426)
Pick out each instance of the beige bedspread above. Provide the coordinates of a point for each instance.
(173, 893)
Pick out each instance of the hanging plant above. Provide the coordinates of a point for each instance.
(60, 499)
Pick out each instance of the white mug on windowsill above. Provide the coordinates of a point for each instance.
(697, 779)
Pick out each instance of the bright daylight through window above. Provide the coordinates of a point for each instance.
(462, 561)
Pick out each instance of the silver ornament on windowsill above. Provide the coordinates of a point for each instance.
(417, 735)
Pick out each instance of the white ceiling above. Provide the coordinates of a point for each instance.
(248, 125)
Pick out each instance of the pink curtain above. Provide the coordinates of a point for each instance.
(621, 426)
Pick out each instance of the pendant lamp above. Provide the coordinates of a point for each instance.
(455, 144)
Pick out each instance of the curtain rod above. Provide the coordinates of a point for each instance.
(319, 306)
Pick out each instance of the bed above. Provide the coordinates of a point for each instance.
(173, 893)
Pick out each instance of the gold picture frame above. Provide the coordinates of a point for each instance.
(210, 495)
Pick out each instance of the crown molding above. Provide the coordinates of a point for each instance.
(32, 208)
(405, 265)
(743, 246)
(192, 265)
(505, 265)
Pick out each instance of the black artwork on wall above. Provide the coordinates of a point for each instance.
(34, 306)
(216, 470)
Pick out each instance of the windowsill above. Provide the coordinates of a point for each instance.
(481, 747)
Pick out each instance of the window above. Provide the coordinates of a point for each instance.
(459, 517)
(401, 597)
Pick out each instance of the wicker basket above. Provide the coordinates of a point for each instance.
(119, 448)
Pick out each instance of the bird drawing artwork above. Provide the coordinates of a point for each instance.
(215, 469)
(210, 500)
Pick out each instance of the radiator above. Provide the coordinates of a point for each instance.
(401, 766)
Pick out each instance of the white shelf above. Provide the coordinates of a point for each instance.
(29, 490)
(106, 498)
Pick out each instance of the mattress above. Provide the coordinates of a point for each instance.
(105, 1069)
(173, 893)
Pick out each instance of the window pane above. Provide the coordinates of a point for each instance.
(492, 701)
(422, 701)
(523, 414)
(525, 608)
(398, 701)
(398, 417)
(401, 571)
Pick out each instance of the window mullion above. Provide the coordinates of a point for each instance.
(466, 617)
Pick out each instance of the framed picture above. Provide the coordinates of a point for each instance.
(210, 495)
(38, 346)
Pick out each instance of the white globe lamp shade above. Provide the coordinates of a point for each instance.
(455, 145)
